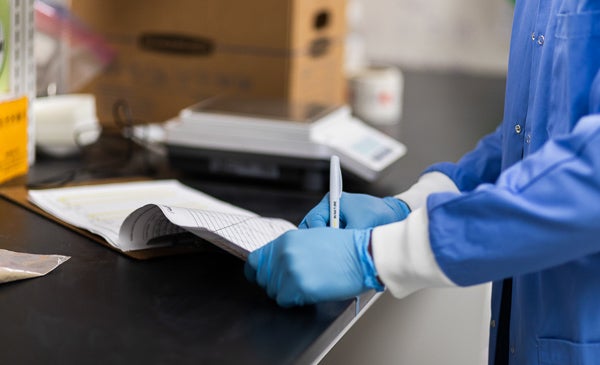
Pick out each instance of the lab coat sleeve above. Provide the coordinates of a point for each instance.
(481, 165)
(478, 166)
(542, 212)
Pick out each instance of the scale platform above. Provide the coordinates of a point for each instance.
(276, 141)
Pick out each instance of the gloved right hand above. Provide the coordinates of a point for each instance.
(314, 265)
(358, 211)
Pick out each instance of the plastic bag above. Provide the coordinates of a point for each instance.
(18, 266)
(68, 54)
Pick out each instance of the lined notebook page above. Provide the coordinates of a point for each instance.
(247, 232)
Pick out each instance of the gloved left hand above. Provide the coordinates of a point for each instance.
(357, 211)
(313, 265)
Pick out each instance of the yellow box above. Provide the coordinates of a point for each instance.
(13, 138)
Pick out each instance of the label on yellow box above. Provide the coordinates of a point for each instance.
(13, 138)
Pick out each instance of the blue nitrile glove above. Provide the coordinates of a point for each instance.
(358, 211)
(314, 265)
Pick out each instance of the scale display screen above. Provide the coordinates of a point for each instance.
(360, 146)
(370, 146)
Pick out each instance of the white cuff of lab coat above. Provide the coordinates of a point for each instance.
(432, 182)
(403, 257)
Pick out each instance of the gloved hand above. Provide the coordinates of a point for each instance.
(313, 265)
(358, 211)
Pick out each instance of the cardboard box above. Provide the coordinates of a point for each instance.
(171, 54)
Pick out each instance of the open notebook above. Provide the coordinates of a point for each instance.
(133, 216)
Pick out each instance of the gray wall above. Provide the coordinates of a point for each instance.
(466, 35)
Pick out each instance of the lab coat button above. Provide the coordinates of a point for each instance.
(518, 129)
(540, 40)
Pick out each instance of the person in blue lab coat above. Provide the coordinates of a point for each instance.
(522, 209)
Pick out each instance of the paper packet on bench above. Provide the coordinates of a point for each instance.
(18, 266)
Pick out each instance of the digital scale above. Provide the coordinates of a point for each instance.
(269, 140)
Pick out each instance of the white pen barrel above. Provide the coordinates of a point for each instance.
(335, 191)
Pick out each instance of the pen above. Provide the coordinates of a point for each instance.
(335, 191)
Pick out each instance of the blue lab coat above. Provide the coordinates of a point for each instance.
(529, 206)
